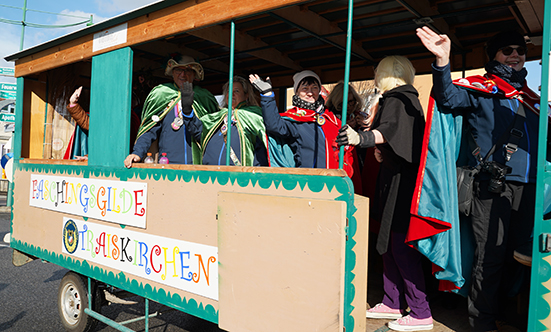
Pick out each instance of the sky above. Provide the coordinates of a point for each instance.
(11, 34)
(101, 10)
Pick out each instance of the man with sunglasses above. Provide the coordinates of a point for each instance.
(500, 117)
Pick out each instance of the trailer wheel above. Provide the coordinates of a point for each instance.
(73, 298)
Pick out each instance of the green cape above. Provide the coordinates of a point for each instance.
(164, 97)
(250, 126)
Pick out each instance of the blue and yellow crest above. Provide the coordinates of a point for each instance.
(70, 236)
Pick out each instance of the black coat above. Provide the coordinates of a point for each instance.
(401, 122)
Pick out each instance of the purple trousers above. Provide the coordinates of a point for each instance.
(403, 278)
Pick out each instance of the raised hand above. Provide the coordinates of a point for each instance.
(75, 96)
(439, 45)
(263, 86)
(187, 97)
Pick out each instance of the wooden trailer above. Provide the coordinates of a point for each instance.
(247, 248)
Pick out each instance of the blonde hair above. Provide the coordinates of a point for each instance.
(393, 71)
(334, 101)
(247, 90)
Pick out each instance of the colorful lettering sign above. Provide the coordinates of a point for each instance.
(116, 201)
(191, 267)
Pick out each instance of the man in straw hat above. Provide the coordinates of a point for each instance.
(162, 116)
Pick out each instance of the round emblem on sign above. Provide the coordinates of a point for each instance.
(70, 236)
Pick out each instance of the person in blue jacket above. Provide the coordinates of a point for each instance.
(303, 136)
(501, 114)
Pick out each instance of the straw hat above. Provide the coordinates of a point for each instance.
(185, 61)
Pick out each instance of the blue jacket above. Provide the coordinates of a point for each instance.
(176, 143)
(170, 141)
(305, 139)
(435, 227)
(489, 116)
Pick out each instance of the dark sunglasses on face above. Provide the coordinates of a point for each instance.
(509, 50)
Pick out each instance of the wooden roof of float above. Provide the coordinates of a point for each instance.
(279, 37)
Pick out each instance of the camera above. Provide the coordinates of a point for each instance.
(497, 175)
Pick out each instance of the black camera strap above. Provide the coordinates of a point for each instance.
(513, 134)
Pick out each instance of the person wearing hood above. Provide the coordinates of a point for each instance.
(500, 117)
(397, 131)
(162, 115)
(248, 135)
(303, 136)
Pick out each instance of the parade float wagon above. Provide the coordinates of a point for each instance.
(247, 248)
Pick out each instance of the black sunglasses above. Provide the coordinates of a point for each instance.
(509, 50)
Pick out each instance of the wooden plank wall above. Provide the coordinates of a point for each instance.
(34, 107)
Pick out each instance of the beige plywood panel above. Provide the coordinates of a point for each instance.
(176, 209)
(281, 263)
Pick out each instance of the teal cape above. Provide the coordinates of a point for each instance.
(436, 229)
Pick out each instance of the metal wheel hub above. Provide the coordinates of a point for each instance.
(71, 304)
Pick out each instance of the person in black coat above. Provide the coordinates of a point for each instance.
(397, 131)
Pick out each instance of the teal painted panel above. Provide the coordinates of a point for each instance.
(110, 102)
(539, 308)
(16, 139)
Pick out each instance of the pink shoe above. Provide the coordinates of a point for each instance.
(383, 312)
(408, 323)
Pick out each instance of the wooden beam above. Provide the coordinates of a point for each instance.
(345, 7)
(424, 8)
(163, 49)
(530, 16)
(163, 23)
(320, 26)
(243, 42)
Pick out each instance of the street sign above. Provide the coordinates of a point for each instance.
(4, 117)
(7, 71)
(8, 87)
(7, 90)
(7, 95)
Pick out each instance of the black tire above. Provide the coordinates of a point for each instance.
(72, 298)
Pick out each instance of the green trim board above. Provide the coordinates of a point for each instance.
(539, 309)
(315, 183)
(110, 107)
(16, 139)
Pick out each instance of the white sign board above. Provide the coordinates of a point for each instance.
(188, 266)
(121, 202)
(110, 37)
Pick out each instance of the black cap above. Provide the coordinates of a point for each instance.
(504, 39)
